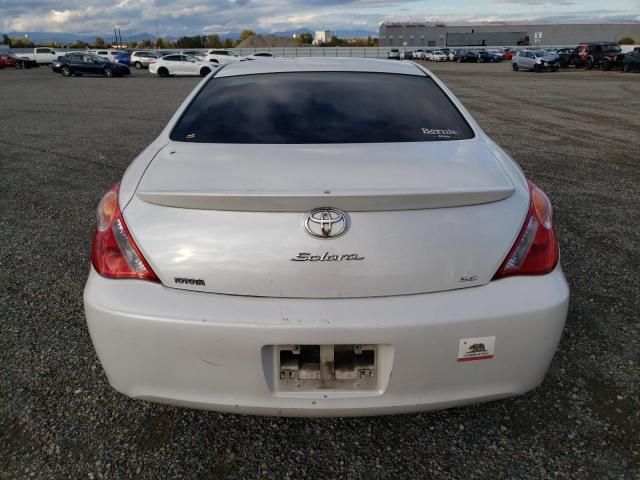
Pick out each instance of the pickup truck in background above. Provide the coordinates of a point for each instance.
(605, 55)
(43, 55)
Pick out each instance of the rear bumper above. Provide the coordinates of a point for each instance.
(212, 351)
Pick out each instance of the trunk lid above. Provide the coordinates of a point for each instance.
(370, 177)
(228, 218)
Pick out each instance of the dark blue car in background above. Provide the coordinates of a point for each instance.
(487, 56)
(81, 63)
(124, 58)
(464, 56)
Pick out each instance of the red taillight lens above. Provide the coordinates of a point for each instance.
(114, 254)
(151, 61)
(536, 249)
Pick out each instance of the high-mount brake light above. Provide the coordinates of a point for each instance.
(536, 251)
(114, 254)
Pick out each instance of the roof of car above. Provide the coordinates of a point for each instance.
(302, 64)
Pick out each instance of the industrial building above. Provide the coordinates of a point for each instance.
(440, 35)
(322, 36)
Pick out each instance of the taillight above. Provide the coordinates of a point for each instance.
(151, 61)
(536, 249)
(114, 254)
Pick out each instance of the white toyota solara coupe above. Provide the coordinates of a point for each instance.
(324, 237)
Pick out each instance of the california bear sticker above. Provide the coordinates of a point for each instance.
(478, 348)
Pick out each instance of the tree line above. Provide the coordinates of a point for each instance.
(196, 41)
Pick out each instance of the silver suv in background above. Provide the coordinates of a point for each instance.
(394, 54)
(141, 58)
(535, 61)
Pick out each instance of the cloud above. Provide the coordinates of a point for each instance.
(536, 2)
(178, 17)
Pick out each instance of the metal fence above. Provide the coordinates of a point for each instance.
(357, 52)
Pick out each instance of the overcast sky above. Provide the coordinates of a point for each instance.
(176, 17)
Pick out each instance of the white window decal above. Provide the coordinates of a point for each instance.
(440, 132)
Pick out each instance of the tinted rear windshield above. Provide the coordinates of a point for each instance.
(321, 107)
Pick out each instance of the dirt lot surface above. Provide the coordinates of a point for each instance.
(64, 142)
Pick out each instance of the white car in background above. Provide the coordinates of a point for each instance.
(141, 58)
(418, 54)
(222, 56)
(180, 65)
(280, 250)
(438, 56)
(109, 54)
(259, 56)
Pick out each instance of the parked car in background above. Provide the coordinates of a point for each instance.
(419, 54)
(109, 54)
(508, 54)
(606, 55)
(489, 56)
(80, 64)
(535, 61)
(222, 56)
(123, 58)
(566, 56)
(259, 56)
(180, 65)
(452, 54)
(115, 54)
(439, 56)
(465, 56)
(631, 61)
(406, 55)
(141, 58)
(200, 54)
(100, 53)
(6, 60)
(393, 54)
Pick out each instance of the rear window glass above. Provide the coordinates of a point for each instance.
(321, 107)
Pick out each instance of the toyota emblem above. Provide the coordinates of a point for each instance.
(326, 222)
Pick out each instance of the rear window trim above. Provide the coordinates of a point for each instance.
(423, 74)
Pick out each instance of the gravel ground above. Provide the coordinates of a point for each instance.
(63, 142)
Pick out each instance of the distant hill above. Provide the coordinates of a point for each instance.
(64, 37)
